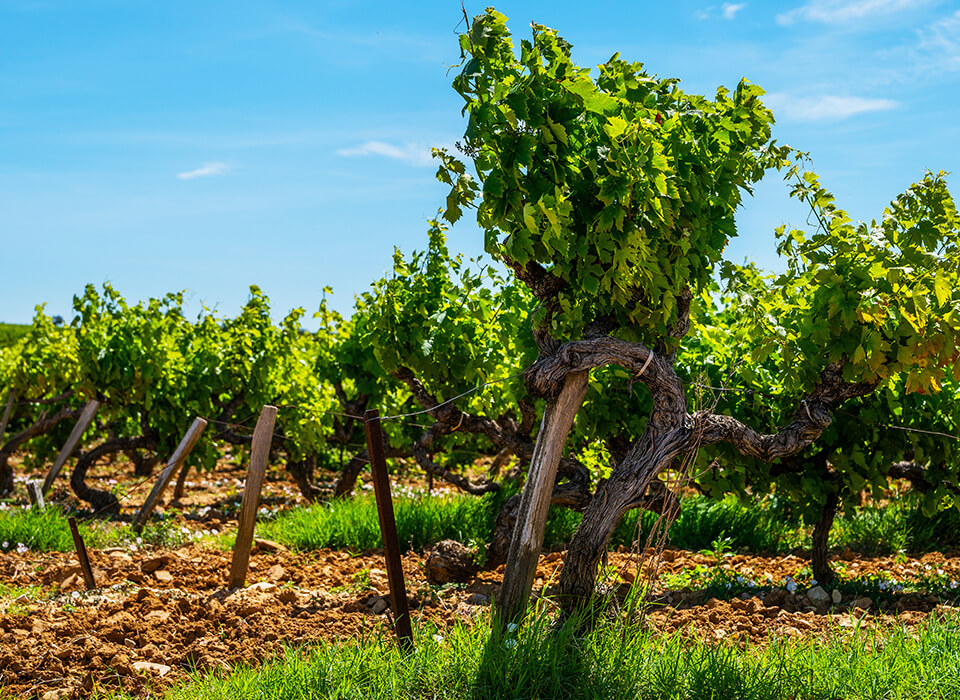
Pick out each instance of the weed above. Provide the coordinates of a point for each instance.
(719, 548)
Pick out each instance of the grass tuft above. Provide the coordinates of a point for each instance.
(620, 659)
(33, 529)
(353, 523)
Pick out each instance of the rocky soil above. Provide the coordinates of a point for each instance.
(158, 614)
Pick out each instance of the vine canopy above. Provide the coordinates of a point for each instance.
(610, 197)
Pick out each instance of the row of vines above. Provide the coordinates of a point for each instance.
(608, 201)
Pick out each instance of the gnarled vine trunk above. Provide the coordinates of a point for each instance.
(654, 452)
(820, 555)
(671, 433)
(302, 471)
(40, 426)
(104, 502)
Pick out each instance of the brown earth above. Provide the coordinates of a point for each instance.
(158, 614)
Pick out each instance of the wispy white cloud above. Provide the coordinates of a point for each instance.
(730, 9)
(727, 10)
(939, 44)
(411, 154)
(206, 170)
(824, 107)
(841, 11)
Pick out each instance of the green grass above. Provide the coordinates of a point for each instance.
(45, 530)
(618, 660)
(900, 526)
(48, 531)
(353, 523)
(702, 521)
(12, 332)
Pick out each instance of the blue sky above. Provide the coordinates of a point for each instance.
(207, 146)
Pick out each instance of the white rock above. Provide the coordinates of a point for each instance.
(836, 597)
(264, 587)
(818, 595)
(150, 666)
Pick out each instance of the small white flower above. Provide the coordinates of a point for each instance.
(438, 638)
(512, 627)
(791, 585)
(6, 545)
(22, 548)
(954, 584)
(510, 643)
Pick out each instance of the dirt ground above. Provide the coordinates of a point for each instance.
(157, 614)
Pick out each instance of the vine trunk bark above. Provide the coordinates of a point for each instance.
(104, 502)
(42, 425)
(624, 490)
(302, 471)
(820, 556)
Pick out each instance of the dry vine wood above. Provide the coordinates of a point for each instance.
(40, 426)
(505, 433)
(671, 432)
(106, 502)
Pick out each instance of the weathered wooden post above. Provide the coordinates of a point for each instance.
(181, 482)
(179, 455)
(388, 527)
(259, 455)
(86, 417)
(521, 567)
(82, 555)
(35, 494)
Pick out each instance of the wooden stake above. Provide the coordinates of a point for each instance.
(86, 417)
(6, 415)
(259, 455)
(388, 527)
(181, 483)
(179, 455)
(82, 555)
(527, 539)
(35, 493)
